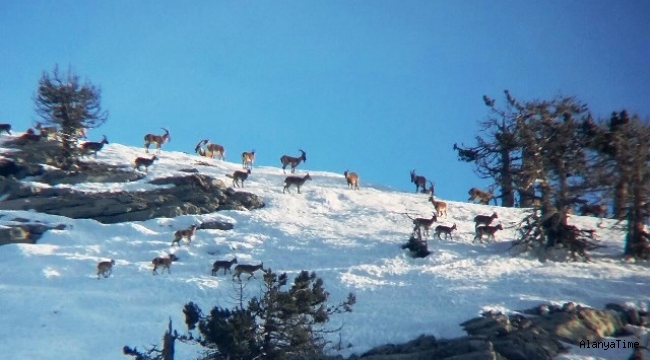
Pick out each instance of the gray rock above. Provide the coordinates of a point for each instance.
(191, 194)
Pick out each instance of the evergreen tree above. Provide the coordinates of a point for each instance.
(63, 100)
(280, 324)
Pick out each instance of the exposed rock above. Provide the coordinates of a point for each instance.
(91, 172)
(536, 336)
(191, 194)
(25, 233)
(216, 225)
(9, 167)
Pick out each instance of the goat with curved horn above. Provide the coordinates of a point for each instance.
(159, 140)
(199, 147)
(419, 181)
(293, 161)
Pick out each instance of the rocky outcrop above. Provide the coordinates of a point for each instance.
(22, 231)
(188, 194)
(533, 334)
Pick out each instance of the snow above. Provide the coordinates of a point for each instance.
(53, 305)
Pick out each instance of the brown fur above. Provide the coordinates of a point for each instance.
(298, 181)
(186, 233)
(483, 197)
(92, 147)
(419, 181)
(293, 161)
(141, 161)
(487, 230)
(353, 180)
(223, 264)
(105, 268)
(164, 263)
(238, 177)
(248, 269)
(442, 229)
(218, 149)
(440, 206)
(424, 223)
(247, 159)
(484, 219)
(159, 140)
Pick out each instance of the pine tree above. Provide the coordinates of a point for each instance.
(65, 101)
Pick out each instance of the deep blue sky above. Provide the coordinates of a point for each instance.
(377, 87)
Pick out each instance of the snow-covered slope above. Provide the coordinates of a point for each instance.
(53, 306)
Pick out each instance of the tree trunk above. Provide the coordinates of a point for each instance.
(637, 216)
(168, 343)
(507, 193)
(620, 197)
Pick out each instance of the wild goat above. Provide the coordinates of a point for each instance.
(295, 180)
(46, 131)
(30, 135)
(484, 219)
(248, 269)
(440, 206)
(353, 179)
(216, 148)
(238, 177)
(92, 147)
(199, 149)
(186, 233)
(247, 159)
(442, 229)
(211, 149)
(141, 161)
(483, 197)
(222, 264)
(598, 210)
(424, 223)
(159, 140)
(105, 268)
(486, 230)
(419, 181)
(5, 128)
(164, 263)
(293, 161)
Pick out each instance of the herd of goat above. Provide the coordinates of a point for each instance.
(422, 226)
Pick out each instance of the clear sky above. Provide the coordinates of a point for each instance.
(376, 87)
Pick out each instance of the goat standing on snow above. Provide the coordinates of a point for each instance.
(105, 268)
(247, 159)
(293, 161)
(92, 147)
(353, 180)
(223, 264)
(186, 233)
(419, 181)
(141, 161)
(159, 140)
(164, 263)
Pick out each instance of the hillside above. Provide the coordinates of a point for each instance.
(52, 301)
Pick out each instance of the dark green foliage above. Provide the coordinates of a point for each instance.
(63, 100)
(417, 247)
(283, 323)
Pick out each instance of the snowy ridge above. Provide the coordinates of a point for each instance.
(52, 302)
